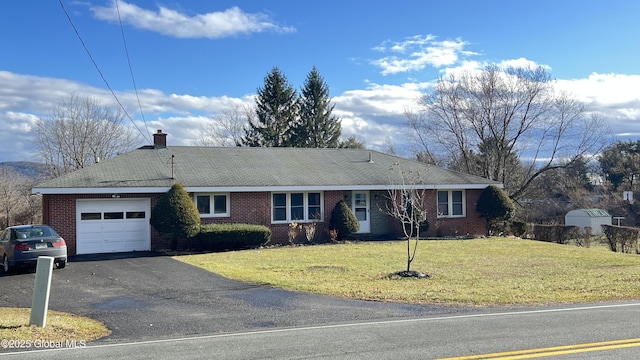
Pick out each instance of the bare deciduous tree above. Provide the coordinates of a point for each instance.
(12, 187)
(227, 128)
(406, 203)
(80, 132)
(513, 110)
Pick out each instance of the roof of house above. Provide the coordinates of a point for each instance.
(201, 169)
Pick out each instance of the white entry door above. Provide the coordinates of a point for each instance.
(360, 208)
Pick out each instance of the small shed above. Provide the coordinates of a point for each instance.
(588, 217)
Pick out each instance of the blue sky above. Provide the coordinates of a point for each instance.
(192, 59)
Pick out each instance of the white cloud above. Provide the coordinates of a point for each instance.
(604, 88)
(181, 130)
(521, 63)
(613, 96)
(380, 99)
(376, 114)
(16, 135)
(373, 114)
(25, 98)
(218, 24)
(417, 52)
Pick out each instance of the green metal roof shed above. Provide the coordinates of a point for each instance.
(593, 218)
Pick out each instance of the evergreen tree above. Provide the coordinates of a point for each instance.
(319, 128)
(276, 113)
(494, 205)
(351, 142)
(343, 220)
(176, 214)
(620, 164)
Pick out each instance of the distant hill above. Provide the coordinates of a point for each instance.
(29, 169)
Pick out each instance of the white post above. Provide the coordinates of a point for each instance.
(40, 301)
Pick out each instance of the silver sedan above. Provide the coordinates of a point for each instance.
(22, 245)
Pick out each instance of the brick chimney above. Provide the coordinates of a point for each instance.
(160, 139)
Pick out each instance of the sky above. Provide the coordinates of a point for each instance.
(172, 65)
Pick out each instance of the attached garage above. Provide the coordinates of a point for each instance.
(112, 225)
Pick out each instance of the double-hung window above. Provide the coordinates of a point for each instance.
(212, 205)
(451, 203)
(296, 206)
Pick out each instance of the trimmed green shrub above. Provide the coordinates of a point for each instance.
(222, 237)
(494, 205)
(176, 215)
(343, 220)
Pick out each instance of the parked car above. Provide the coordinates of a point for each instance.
(21, 245)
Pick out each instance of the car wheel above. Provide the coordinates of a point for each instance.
(5, 265)
(62, 264)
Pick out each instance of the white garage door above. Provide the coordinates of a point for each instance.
(113, 225)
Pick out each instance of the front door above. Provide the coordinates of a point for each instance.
(360, 208)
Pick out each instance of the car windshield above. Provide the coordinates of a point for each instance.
(35, 232)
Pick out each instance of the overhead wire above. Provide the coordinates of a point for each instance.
(133, 80)
(95, 64)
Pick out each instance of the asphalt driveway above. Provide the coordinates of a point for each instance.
(142, 296)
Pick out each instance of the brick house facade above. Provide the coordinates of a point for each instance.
(106, 207)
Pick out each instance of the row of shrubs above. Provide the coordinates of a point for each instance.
(234, 236)
(620, 238)
(559, 234)
(222, 237)
(176, 217)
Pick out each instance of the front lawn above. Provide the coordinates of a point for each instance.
(481, 272)
(62, 330)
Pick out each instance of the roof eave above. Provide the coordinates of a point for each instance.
(203, 189)
(101, 190)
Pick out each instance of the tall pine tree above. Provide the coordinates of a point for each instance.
(319, 128)
(276, 113)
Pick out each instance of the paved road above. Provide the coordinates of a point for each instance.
(605, 331)
(147, 296)
(161, 308)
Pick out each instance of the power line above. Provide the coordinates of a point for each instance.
(144, 135)
(133, 80)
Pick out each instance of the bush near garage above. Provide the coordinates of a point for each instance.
(176, 215)
(225, 237)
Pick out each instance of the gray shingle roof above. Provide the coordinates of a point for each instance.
(237, 168)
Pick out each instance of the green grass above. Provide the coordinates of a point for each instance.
(480, 272)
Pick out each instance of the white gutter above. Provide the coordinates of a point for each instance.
(210, 189)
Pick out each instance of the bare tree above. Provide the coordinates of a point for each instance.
(31, 204)
(406, 203)
(496, 113)
(11, 186)
(80, 132)
(227, 128)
